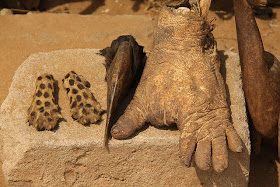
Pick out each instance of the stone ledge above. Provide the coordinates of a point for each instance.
(74, 154)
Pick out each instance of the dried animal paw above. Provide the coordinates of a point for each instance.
(182, 84)
(44, 111)
(84, 107)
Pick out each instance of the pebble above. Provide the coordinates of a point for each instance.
(5, 11)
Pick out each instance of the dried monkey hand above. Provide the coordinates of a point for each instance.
(181, 84)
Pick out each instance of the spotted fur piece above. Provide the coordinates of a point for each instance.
(84, 107)
(44, 113)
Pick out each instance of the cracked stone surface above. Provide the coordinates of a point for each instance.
(74, 155)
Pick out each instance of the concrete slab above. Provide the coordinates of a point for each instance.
(74, 154)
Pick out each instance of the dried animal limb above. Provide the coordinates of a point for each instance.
(84, 107)
(260, 73)
(44, 113)
(181, 84)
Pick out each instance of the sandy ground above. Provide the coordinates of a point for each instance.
(263, 167)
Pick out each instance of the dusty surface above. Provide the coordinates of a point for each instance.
(74, 154)
(17, 44)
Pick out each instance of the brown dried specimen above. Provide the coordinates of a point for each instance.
(260, 74)
(43, 113)
(124, 62)
(84, 107)
(181, 84)
(258, 3)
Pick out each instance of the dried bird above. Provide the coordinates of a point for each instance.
(124, 63)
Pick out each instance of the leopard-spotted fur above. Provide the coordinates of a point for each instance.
(44, 113)
(84, 107)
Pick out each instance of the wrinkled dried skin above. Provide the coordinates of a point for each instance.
(84, 107)
(43, 113)
(181, 84)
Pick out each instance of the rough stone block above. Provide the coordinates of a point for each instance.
(74, 155)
